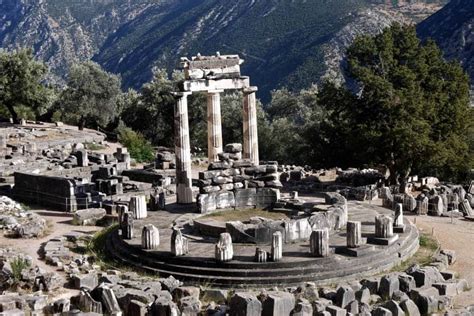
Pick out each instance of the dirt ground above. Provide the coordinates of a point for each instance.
(457, 235)
(59, 225)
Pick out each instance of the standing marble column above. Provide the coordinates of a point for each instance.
(354, 234)
(250, 125)
(214, 125)
(398, 215)
(319, 243)
(183, 150)
(277, 247)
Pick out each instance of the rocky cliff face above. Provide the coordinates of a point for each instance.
(453, 29)
(285, 42)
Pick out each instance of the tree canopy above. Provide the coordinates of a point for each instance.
(21, 83)
(410, 111)
(91, 95)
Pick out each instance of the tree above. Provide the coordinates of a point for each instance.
(91, 95)
(21, 83)
(411, 112)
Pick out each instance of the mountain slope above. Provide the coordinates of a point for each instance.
(63, 31)
(284, 42)
(453, 30)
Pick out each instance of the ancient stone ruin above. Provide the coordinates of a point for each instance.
(239, 236)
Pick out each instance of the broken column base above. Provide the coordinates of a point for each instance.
(383, 241)
(399, 229)
(355, 252)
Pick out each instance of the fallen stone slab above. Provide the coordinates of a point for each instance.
(88, 217)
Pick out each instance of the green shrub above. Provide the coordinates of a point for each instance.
(140, 149)
(18, 264)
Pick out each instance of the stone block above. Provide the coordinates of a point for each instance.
(425, 276)
(394, 308)
(450, 254)
(105, 295)
(245, 304)
(163, 305)
(344, 295)
(426, 298)
(446, 288)
(225, 200)
(363, 295)
(372, 284)
(381, 311)
(215, 295)
(336, 311)
(184, 291)
(189, 305)
(206, 203)
(88, 217)
(410, 308)
(407, 283)
(88, 281)
(303, 308)
(278, 303)
(388, 285)
(245, 198)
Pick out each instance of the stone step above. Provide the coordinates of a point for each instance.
(253, 274)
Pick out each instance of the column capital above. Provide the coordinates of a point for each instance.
(250, 90)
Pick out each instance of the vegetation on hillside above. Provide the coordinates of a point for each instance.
(409, 111)
(21, 87)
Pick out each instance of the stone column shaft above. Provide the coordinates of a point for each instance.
(250, 126)
(319, 243)
(383, 226)
(277, 247)
(354, 234)
(214, 125)
(183, 150)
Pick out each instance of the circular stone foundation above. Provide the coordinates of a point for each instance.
(296, 266)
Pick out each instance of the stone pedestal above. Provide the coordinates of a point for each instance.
(137, 206)
(150, 237)
(398, 225)
(354, 234)
(250, 125)
(127, 226)
(224, 250)
(383, 231)
(183, 150)
(319, 243)
(277, 247)
(214, 125)
(179, 244)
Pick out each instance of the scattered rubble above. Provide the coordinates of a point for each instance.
(18, 222)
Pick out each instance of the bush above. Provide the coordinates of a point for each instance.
(140, 149)
(18, 264)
